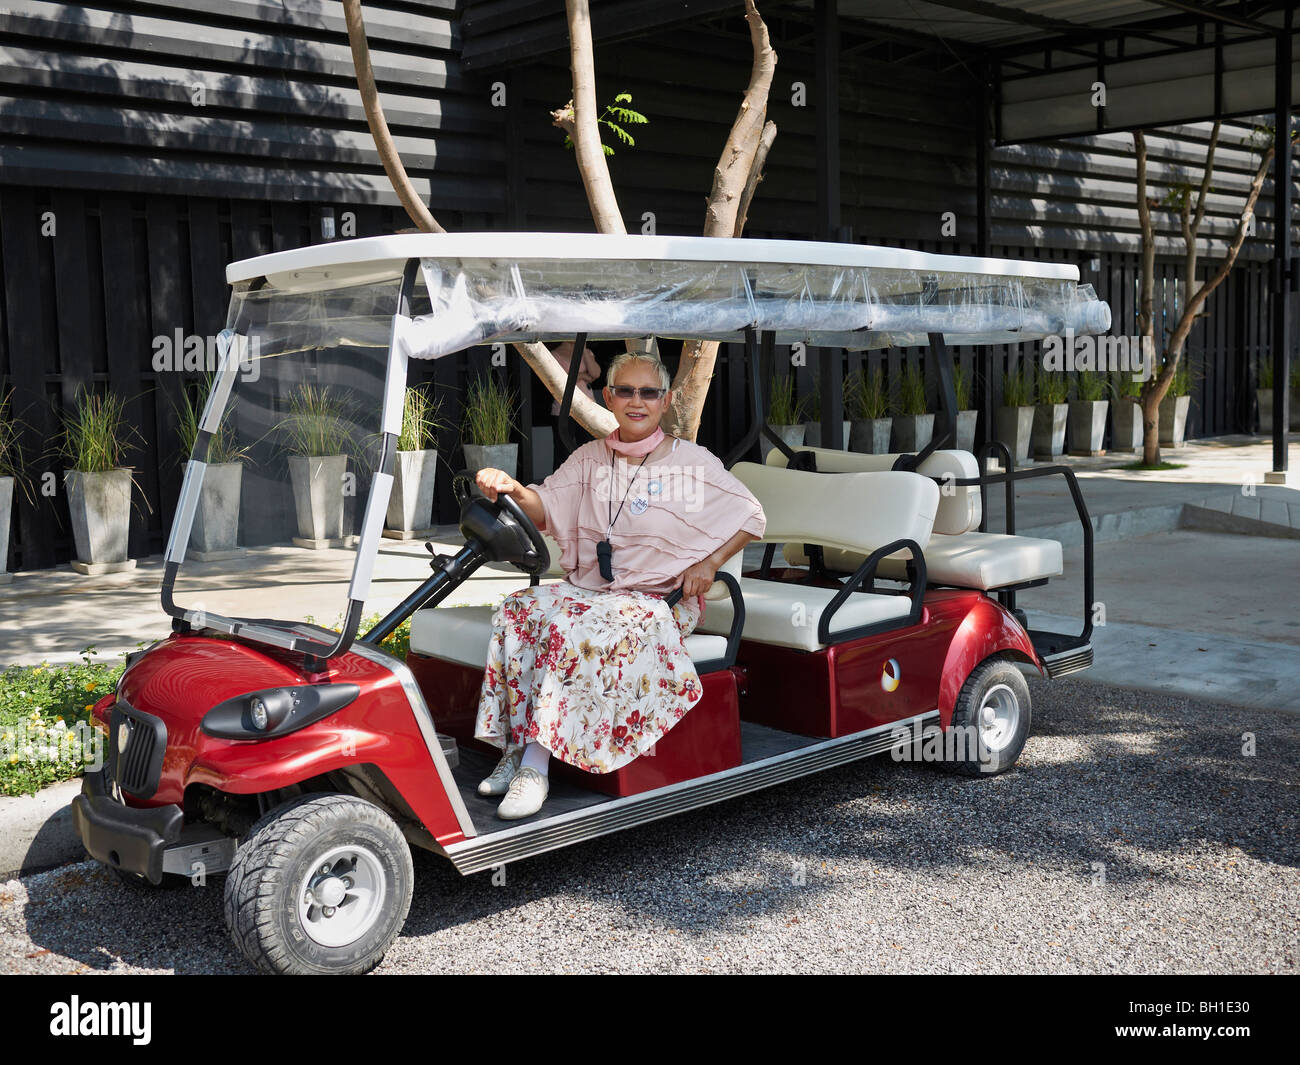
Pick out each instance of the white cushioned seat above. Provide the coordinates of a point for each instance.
(957, 553)
(787, 614)
(971, 560)
(462, 634)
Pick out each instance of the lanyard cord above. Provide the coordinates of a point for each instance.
(630, 483)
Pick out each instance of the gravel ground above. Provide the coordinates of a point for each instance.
(904, 869)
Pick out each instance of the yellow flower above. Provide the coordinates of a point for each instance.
(89, 706)
(90, 685)
(13, 758)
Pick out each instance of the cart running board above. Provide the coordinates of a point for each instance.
(525, 841)
(1073, 660)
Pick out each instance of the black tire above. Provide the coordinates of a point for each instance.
(989, 750)
(287, 850)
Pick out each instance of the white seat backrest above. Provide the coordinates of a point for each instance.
(734, 566)
(851, 511)
(959, 505)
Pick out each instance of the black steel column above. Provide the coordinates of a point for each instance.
(1282, 247)
(827, 49)
(984, 359)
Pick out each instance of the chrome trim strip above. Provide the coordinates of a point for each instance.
(525, 841)
(424, 719)
(231, 347)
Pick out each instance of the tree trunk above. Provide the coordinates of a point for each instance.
(734, 179)
(586, 129)
(415, 208)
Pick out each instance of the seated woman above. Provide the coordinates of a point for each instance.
(592, 669)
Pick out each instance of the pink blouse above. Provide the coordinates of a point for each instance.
(675, 511)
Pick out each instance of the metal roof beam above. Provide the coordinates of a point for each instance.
(1006, 14)
(1214, 14)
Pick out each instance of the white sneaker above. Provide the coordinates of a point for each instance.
(527, 793)
(499, 779)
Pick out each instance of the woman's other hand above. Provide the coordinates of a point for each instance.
(492, 482)
(698, 579)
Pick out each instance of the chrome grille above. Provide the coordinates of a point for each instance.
(137, 762)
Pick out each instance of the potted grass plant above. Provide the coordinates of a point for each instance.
(1264, 396)
(1016, 415)
(11, 463)
(782, 415)
(410, 506)
(967, 417)
(1050, 416)
(812, 408)
(913, 425)
(870, 412)
(489, 418)
(318, 434)
(1126, 414)
(1088, 414)
(94, 442)
(1174, 407)
(214, 535)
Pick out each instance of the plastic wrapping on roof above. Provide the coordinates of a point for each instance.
(482, 301)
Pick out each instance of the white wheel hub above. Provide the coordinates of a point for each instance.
(342, 897)
(999, 717)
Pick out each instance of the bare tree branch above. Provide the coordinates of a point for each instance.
(585, 130)
(393, 167)
(755, 176)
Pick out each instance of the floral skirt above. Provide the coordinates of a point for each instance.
(595, 677)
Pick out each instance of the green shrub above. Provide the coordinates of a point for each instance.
(1181, 385)
(41, 708)
(421, 423)
(318, 423)
(911, 390)
(961, 381)
(782, 408)
(1123, 386)
(865, 395)
(1090, 386)
(96, 435)
(1052, 388)
(1017, 388)
(11, 455)
(489, 412)
(221, 448)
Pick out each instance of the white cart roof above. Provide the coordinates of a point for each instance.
(488, 287)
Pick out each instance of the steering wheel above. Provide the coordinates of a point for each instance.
(465, 490)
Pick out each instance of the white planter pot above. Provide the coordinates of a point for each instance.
(1264, 396)
(1015, 429)
(1126, 428)
(215, 532)
(791, 434)
(318, 498)
(912, 432)
(871, 436)
(492, 456)
(1173, 419)
(1088, 426)
(967, 420)
(6, 518)
(1049, 429)
(410, 507)
(100, 505)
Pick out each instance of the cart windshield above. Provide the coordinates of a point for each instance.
(272, 521)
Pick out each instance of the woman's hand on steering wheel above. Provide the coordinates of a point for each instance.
(698, 579)
(491, 482)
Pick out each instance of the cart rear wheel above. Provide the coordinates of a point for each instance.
(322, 885)
(992, 717)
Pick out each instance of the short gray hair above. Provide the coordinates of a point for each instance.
(628, 357)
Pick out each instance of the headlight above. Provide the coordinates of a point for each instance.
(258, 713)
(261, 715)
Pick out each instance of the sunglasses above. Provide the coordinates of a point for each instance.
(649, 395)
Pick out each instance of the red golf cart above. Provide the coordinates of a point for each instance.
(303, 763)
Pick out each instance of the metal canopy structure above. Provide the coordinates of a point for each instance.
(1042, 68)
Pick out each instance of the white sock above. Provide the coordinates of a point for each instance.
(536, 757)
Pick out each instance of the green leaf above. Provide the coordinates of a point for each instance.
(607, 149)
(623, 98)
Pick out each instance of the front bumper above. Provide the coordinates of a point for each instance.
(124, 837)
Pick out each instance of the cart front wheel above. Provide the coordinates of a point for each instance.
(322, 885)
(991, 718)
